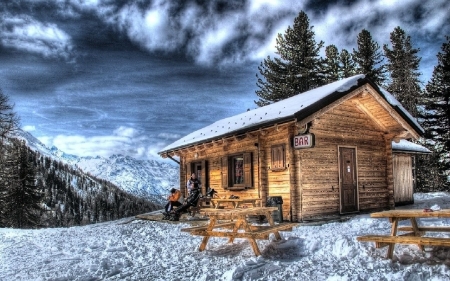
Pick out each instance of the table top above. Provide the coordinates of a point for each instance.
(235, 200)
(412, 213)
(238, 212)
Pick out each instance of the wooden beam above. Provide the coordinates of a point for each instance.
(331, 106)
(174, 159)
(361, 107)
(392, 112)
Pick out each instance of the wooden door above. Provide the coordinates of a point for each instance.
(348, 180)
(403, 179)
(201, 170)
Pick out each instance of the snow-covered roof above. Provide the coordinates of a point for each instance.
(396, 104)
(298, 106)
(407, 146)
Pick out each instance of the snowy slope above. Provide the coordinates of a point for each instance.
(149, 250)
(145, 179)
(148, 179)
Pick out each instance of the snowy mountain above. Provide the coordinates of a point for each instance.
(147, 179)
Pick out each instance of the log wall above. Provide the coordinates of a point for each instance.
(266, 181)
(212, 153)
(309, 183)
(344, 125)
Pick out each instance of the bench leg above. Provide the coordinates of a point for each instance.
(235, 229)
(254, 246)
(203, 244)
(415, 228)
(390, 252)
(277, 236)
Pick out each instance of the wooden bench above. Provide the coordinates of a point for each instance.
(193, 210)
(415, 232)
(257, 232)
(204, 227)
(238, 226)
(217, 202)
(406, 239)
(426, 228)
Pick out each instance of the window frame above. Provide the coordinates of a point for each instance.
(229, 171)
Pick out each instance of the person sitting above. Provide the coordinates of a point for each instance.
(192, 200)
(193, 182)
(173, 198)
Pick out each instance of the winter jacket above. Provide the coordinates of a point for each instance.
(175, 196)
(193, 183)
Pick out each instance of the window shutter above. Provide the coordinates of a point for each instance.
(248, 170)
(274, 157)
(224, 172)
(278, 157)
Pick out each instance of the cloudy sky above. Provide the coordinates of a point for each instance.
(102, 77)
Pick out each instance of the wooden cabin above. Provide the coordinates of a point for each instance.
(404, 160)
(326, 152)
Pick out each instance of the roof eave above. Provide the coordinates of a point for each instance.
(245, 130)
(420, 132)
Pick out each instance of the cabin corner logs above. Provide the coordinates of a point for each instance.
(349, 168)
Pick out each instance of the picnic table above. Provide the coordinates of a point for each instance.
(217, 202)
(237, 225)
(414, 234)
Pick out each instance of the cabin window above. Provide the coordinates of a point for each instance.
(237, 171)
(278, 157)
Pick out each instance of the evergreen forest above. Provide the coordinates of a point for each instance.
(297, 66)
(37, 191)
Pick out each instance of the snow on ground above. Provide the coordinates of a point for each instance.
(149, 250)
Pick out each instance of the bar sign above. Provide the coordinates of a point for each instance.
(304, 141)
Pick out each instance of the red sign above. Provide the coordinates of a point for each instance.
(304, 141)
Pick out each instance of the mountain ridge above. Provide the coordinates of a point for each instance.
(148, 179)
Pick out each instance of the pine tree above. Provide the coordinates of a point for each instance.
(368, 58)
(9, 122)
(428, 176)
(331, 66)
(23, 197)
(348, 67)
(436, 113)
(403, 67)
(297, 68)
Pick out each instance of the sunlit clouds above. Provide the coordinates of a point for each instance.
(104, 77)
(29, 128)
(215, 32)
(27, 34)
(125, 141)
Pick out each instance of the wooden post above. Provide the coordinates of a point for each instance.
(390, 252)
(389, 171)
(292, 175)
(263, 169)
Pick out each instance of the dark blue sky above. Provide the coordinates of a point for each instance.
(105, 77)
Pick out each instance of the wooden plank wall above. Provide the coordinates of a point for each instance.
(345, 125)
(278, 182)
(266, 182)
(213, 153)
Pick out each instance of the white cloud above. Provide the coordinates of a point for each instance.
(169, 136)
(152, 28)
(256, 6)
(123, 140)
(28, 34)
(29, 128)
(125, 132)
